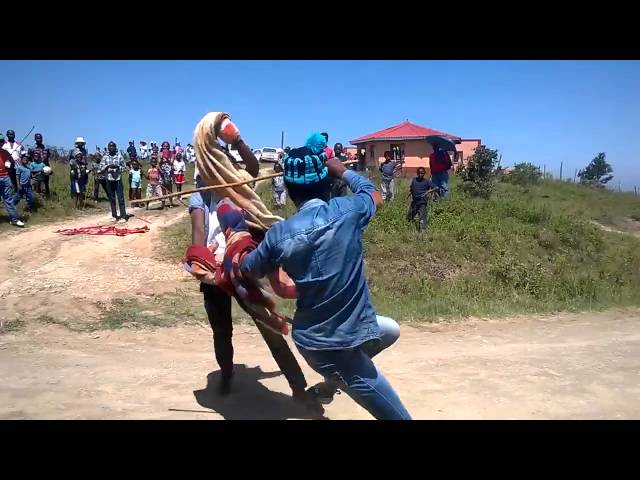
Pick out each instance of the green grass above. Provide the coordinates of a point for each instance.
(61, 206)
(526, 250)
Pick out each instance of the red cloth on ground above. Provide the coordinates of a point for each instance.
(103, 230)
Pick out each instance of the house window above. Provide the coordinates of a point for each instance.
(397, 152)
(371, 152)
(457, 158)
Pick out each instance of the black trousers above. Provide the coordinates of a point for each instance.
(96, 187)
(218, 306)
(114, 190)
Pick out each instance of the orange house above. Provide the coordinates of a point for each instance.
(407, 144)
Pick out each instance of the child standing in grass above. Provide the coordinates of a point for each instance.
(37, 172)
(153, 176)
(23, 176)
(135, 174)
(166, 177)
(279, 190)
(179, 168)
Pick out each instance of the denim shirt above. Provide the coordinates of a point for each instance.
(320, 247)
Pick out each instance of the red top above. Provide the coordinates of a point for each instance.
(4, 157)
(329, 152)
(154, 176)
(439, 162)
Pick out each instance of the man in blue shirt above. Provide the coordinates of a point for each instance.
(335, 326)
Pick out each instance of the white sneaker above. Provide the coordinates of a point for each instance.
(17, 223)
(122, 220)
(114, 219)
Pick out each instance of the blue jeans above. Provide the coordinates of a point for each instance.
(26, 192)
(441, 180)
(6, 190)
(355, 373)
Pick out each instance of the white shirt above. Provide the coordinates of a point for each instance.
(15, 150)
(178, 166)
(144, 152)
(191, 154)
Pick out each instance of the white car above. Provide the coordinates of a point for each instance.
(269, 154)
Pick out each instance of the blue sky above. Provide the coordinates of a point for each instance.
(544, 112)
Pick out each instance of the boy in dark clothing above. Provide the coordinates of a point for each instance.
(419, 192)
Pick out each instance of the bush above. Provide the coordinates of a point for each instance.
(479, 174)
(524, 174)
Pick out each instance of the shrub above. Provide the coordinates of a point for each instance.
(479, 174)
(524, 174)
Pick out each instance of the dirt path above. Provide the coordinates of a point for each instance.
(45, 273)
(573, 366)
(579, 366)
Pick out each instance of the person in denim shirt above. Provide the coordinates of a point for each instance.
(335, 326)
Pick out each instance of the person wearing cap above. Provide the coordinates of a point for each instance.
(81, 145)
(335, 327)
(206, 230)
(112, 164)
(16, 150)
(6, 189)
(45, 155)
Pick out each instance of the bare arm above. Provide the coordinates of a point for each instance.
(197, 227)
(248, 157)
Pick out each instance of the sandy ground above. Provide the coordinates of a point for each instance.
(569, 367)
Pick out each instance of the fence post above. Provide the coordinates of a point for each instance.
(560, 171)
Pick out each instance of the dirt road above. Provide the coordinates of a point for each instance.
(571, 366)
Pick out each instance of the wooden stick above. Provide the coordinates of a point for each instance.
(204, 189)
(213, 187)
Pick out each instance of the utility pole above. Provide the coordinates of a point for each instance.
(560, 171)
(282, 140)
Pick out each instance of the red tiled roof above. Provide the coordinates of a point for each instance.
(403, 131)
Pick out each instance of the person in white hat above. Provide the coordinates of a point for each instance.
(80, 144)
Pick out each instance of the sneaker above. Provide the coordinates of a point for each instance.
(17, 223)
(323, 392)
(122, 220)
(114, 219)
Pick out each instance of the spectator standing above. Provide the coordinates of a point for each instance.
(440, 164)
(23, 173)
(45, 155)
(15, 149)
(78, 176)
(388, 168)
(179, 169)
(113, 165)
(6, 189)
(99, 177)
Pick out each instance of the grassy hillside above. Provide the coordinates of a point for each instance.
(526, 250)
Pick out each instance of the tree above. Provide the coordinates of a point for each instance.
(598, 172)
(479, 174)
